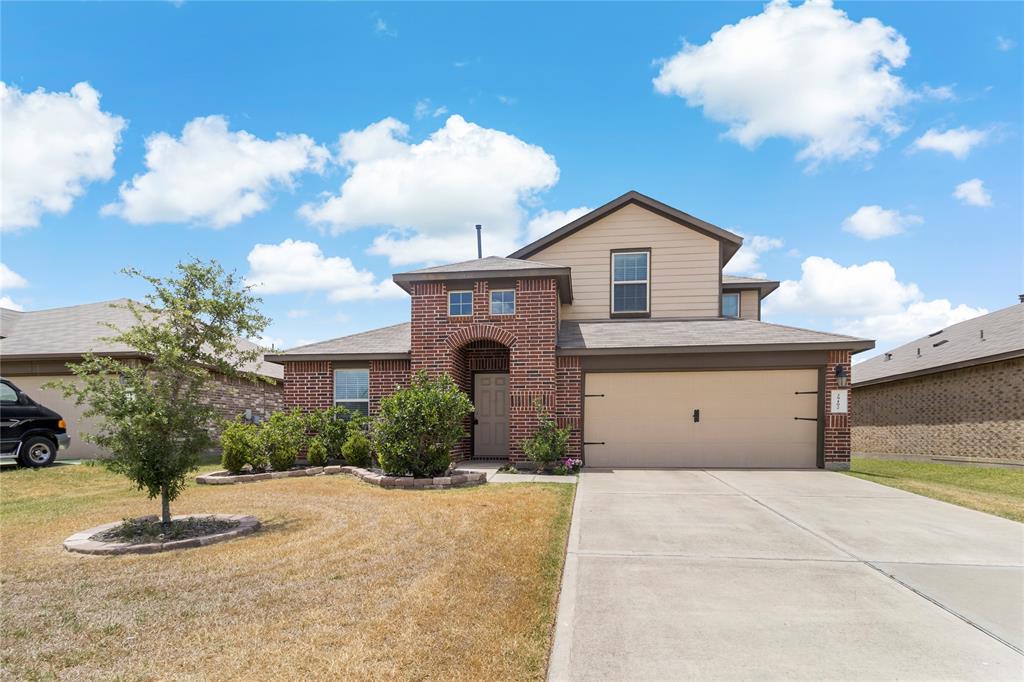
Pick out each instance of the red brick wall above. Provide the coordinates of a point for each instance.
(385, 377)
(837, 426)
(569, 410)
(308, 384)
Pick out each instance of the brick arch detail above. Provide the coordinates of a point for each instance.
(480, 332)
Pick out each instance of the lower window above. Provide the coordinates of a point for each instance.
(352, 390)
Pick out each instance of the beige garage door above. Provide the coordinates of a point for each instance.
(746, 419)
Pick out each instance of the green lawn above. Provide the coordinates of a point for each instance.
(998, 491)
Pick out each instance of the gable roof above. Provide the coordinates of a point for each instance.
(730, 242)
(491, 266)
(71, 331)
(996, 336)
(719, 334)
(764, 286)
(384, 343)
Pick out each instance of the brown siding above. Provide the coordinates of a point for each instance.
(975, 412)
(750, 305)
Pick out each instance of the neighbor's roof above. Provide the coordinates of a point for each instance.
(72, 331)
(599, 337)
(988, 338)
(377, 344)
(731, 242)
(765, 286)
(491, 266)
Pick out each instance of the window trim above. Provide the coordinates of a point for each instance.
(460, 291)
(334, 387)
(490, 302)
(739, 302)
(611, 282)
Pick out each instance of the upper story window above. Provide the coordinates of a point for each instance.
(631, 283)
(503, 302)
(352, 389)
(460, 303)
(730, 305)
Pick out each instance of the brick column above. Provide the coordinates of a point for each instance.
(837, 426)
(570, 401)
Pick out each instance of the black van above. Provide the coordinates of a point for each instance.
(29, 433)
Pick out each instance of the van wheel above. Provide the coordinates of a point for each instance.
(37, 451)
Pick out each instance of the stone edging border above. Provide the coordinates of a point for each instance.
(457, 478)
(80, 542)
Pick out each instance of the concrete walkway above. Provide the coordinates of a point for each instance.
(690, 574)
(494, 476)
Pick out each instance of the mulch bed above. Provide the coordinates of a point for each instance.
(149, 529)
(144, 535)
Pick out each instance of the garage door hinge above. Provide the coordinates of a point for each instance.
(593, 442)
(593, 395)
(805, 392)
(807, 419)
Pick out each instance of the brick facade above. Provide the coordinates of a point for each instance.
(569, 410)
(308, 384)
(233, 396)
(837, 426)
(974, 412)
(386, 376)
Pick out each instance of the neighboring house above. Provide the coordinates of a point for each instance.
(955, 394)
(623, 327)
(36, 347)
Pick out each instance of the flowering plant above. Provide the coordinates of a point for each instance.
(569, 465)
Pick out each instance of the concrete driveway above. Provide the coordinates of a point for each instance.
(690, 574)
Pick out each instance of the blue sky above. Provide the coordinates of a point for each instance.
(871, 153)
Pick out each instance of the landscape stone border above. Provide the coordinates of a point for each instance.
(80, 542)
(457, 478)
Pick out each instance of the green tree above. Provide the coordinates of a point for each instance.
(153, 419)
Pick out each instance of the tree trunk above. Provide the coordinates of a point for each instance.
(165, 508)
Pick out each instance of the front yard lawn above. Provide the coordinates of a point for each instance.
(998, 491)
(345, 581)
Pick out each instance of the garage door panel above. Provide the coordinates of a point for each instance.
(747, 419)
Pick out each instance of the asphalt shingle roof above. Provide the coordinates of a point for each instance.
(493, 263)
(392, 340)
(996, 334)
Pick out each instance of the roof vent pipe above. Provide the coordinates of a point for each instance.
(1020, 297)
(479, 244)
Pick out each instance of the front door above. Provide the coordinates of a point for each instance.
(490, 420)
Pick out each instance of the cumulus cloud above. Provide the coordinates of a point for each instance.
(549, 221)
(9, 279)
(747, 260)
(429, 194)
(973, 193)
(211, 175)
(6, 302)
(296, 266)
(956, 141)
(53, 144)
(807, 73)
(865, 300)
(875, 222)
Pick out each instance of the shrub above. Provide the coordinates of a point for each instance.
(416, 427)
(316, 454)
(356, 449)
(549, 442)
(239, 442)
(282, 437)
(330, 425)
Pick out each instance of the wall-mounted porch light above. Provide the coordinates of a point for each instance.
(842, 378)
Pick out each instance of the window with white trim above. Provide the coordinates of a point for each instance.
(730, 305)
(352, 389)
(631, 290)
(460, 303)
(503, 302)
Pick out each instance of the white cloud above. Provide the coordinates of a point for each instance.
(296, 266)
(297, 314)
(865, 300)
(549, 221)
(1004, 44)
(6, 302)
(875, 222)
(381, 28)
(429, 194)
(747, 260)
(9, 279)
(53, 143)
(973, 193)
(942, 92)
(806, 73)
(956, 141)
(211, 175)
(425, 107)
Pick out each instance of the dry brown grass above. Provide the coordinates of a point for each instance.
(346, 581)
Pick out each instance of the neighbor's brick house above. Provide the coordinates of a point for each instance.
(954, 394)
(621, 325)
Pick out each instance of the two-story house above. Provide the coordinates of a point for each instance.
(622, 325)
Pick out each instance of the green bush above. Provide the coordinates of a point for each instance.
(316, 453)
(239, 442)
(416, 427)
(282, 437)
(548, 443)
(331, 425)
(356, 449)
